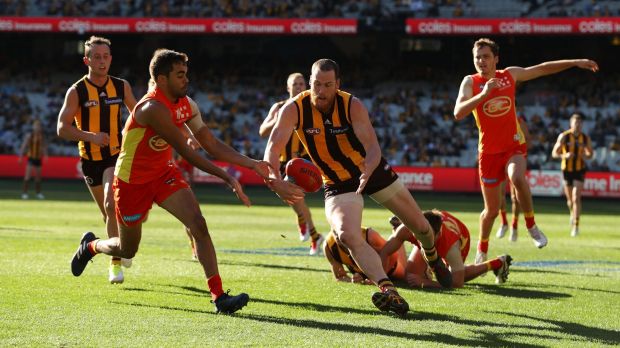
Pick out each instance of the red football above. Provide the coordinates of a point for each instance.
(303, 173)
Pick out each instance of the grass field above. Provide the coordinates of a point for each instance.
(566, 294)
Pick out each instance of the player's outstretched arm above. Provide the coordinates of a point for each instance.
(394, 242)
(280, 134)
(65, 128)
(157, 116)
(340, 274)
(549, 68)
(218, 149)
(265, 128)
(365, 132)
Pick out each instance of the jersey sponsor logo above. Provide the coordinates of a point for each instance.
(312, 131)
(132, 218)
(90, 103)
(337, 130)
(102, 94)
(498, 106)
(488, 180)
(158, 143)
(110, 101)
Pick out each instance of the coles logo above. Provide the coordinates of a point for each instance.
(497, 106)
(157, 143)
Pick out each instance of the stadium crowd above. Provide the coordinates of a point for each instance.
(372, 11)
(413, 120)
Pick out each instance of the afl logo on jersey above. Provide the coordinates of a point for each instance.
(312, 131)
(497, 106)
(157, 143)
(90, 103)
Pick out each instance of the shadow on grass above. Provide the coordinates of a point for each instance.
(555, 286)
(266, 265)
(518, 292)
(486, 339)
(589, 333)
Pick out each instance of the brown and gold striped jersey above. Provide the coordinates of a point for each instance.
(100, 111)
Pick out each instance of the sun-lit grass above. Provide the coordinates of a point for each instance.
(563, 295)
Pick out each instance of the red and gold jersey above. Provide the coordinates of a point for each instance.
(496, 118)
(144, 154)
(452, 231)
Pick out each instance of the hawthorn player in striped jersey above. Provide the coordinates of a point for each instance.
(573, 147)
(35, 149)
(490, 95)
(337, 133)
(91, 115)
(295, 83)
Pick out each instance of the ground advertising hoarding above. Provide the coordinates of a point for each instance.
(513, 26)
(233, 26)
(542, 182)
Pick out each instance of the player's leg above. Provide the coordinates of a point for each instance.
(577, 189)
(568, 193)
(516, 173)
(26, 180)
(400, 202)
(183, 205)
(503, 227)
(37, 181)
(490, 195)
(344, 213)
(306, 226)
(516, 208)
(499, 266)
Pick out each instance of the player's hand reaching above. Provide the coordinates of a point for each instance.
(262, 168)
(363, 181)
(288, 192)
(101, 139)
(587, 64)
(490, 85)
(238, 190)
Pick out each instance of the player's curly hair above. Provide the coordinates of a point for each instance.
(163, 61)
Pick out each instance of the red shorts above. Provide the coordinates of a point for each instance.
(133, 201)
(492, 167)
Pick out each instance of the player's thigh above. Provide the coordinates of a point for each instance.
(97, 193)
(490, 196)
(183, 205)
(577, 189)
(107, 179)
(344, 213)
(516, 167)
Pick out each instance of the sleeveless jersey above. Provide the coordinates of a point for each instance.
(452, 230)
(35, 145)
(100, 111)
(498, 128)
(574, 144)
(145, 155)
(329, 138)
(341, 254)
(294, 148)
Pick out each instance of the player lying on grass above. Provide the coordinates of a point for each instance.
(452, 241)
(340, 257)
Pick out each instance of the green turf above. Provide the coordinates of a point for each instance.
(563, 295)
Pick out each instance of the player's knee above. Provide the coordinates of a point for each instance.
(198, 227)
(349, 238)
(490, 213)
